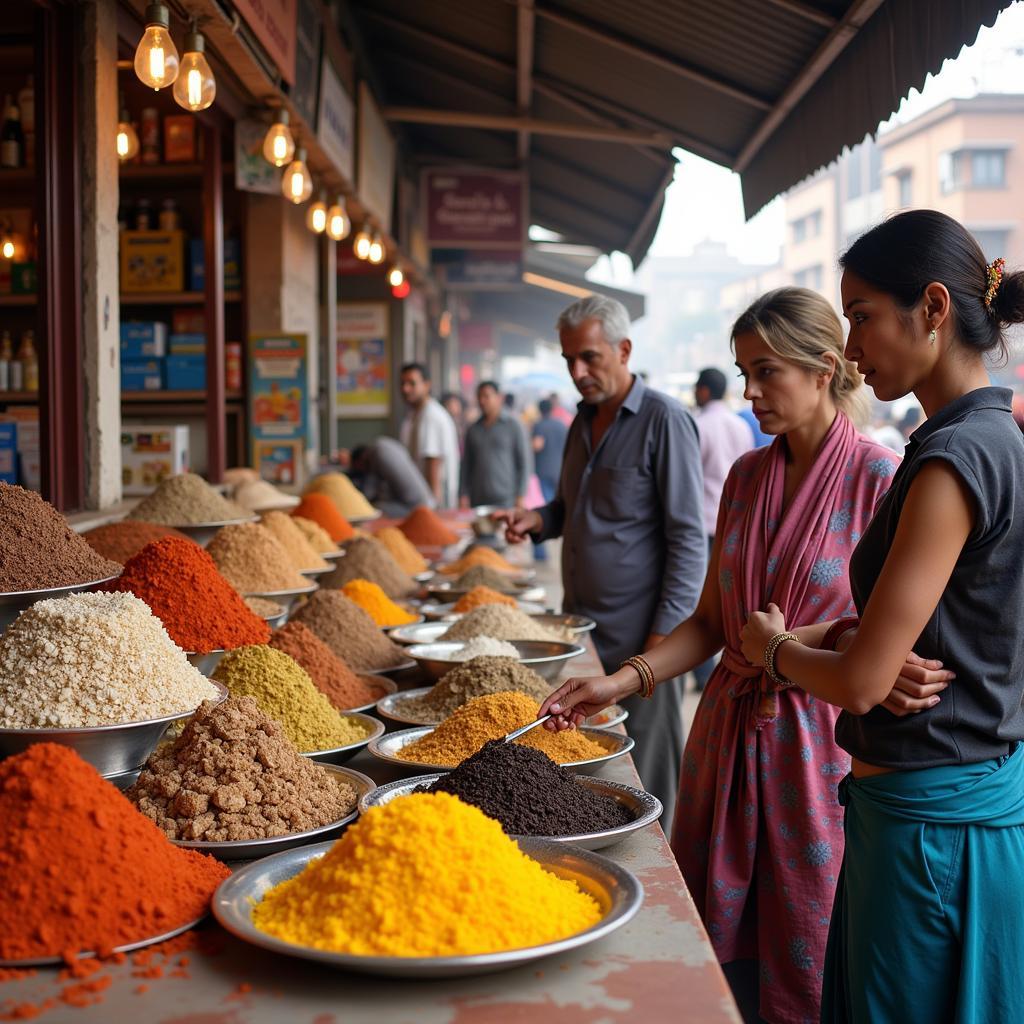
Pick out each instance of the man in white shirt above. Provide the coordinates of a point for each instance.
(429, 433)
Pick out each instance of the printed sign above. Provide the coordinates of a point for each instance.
(474, 209)
(252, 171)
(273, 23)
(477, 269)
(308, 31)
(363, 360)
(376, 184)
(335, 126)
(277, 388)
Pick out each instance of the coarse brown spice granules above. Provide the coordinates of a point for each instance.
(253, 561)
(368, 559)
(502, 623)
(38, 550)
(186, 499)
(350, 502)
(484, 576)
(234, 775)
(473, 679)
(293, 540)
(319, 539)
(403, 550)
(119, 541)
(349, 632)
(331, 676)
(491, 717)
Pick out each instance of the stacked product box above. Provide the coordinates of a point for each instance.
(232, 265)
(143, 351)
(9, 453)
(20, 458)
(150, 454)
(186, 363)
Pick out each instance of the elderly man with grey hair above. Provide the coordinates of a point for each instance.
(629, 510)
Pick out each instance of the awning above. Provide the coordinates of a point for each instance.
(590, 96)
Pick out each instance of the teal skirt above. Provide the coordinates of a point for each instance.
(928, 923)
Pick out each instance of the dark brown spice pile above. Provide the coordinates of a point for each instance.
(121, 541)
(349, 632)
(368, 559)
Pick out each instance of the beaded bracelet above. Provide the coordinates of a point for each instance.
(643, 670)
(769, 657)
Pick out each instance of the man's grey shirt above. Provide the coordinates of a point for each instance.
(394, 477)
(496, 463)
(634, 550)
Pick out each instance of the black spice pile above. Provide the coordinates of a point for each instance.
(530, 795)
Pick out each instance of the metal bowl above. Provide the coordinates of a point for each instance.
(389, 686)
(418, 633)
(332, 556)
(206, 663)
(14, 602)
(314, 574)
(645, 808)
(110, 749)
(286, 598)
(613, 715)
(202, 533)
(546, 657)
(447, 612)
(278, 620)
(374, 515)
(249, 849)
(443, 592)
(617, 891)
(339, 755)
(406, 607)
(386, 748)
(390, 670)
(576, 624)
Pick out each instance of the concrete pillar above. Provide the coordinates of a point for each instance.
(100, 281)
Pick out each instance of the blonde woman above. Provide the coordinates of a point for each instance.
(758, 827)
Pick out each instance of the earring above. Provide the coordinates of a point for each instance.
(931, 337)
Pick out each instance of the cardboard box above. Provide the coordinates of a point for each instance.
(233, 366)
(143, 340)
(151, 454)
(152, 261)
(30, 467)
(188, 320)
(180, 139)
(8, 453)
(23, 279)
(185, 373)
(188, 344)
(142, 374)
(232, 265)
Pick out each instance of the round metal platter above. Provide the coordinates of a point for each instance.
(14, 602)
(617, 891)
(394, 670)
(443, 592)
(207, 662)
(332, 556)
(317, 573)
(248, 849)
(448, 613)
(645, 808)
(577, 624)
(376, 514)
(203, 533)
(339, 755)
(285, 597)
(547, 658)
(387, 686)
(386, 748)
(419, 633)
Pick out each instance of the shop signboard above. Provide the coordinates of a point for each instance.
(277, 393)
(308, 32)
(376, 179)
(478, 269)
(474, 208)
(273, 24)
(252, 171)
(335, 125)
(363, 360)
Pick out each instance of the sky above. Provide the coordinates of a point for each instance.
(704, 200)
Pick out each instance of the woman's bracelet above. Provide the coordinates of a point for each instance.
(769, 657)
(836, 630)
(643, 670)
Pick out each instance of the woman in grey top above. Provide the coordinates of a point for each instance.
(926, 925)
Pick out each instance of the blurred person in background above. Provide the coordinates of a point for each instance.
(385, 472)
(548, 442)
(559, 411)
(429, 434)
(455, 405)
(496, 463)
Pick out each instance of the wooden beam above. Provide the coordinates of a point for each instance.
(524, 71)
(649, 56)
(493, 122)
(822, 59)
(807, 12)
(652, 210)
(213, 276)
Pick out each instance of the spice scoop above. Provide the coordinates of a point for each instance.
(525, 729)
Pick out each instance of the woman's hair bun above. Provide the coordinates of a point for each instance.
(1008, 301)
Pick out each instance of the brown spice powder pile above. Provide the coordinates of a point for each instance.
(293, 540)
(319, 539)
(187, 498)
(38, 550)
(331, 676)
(349, 632)
(253, 561)
(484, 576)
(403, 550)
(502, 623)
(368, 559)
(232, 775)
(123, 540)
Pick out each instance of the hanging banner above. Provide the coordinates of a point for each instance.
(252, 171)
(363, 360)
(273, 24)
(308, 32)
(277, 391)
(474, 208)
(478, 269)
(376, 182)
(335, 124)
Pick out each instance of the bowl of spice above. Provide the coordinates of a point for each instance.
(376, 603)
(504, 623)
(425, 529)
(233, 785)
(520, 588)
(190, 505)
(531, 795)
(368, 560)
(576, 625)
(492, 903)
(546, 657)
(289, 535)
(271, 612)
(418, 633)
(371, 729)
(347, 498)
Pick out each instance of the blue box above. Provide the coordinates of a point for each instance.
(232, 265)
(142, 374)
(186, 373)
(143, 340)
(9, 453)
(187, 344)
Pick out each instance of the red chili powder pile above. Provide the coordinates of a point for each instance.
(324, 512)
(200, 610)
(426, 528)
(119, 541)
(80, 868)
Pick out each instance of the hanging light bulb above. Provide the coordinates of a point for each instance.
(377, 251)
(278, 144)
(316, 216)
(156, 59)
(7, 247)
(361, 243)
(395, 276)
(127, 137)
(338, 224)
(195, 86)
(296, 184)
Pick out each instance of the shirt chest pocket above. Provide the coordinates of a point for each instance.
(621, 492)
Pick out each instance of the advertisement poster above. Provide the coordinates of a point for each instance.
(252, 171)
(279, 462)
(273, 23)
(474, 208)
(277, 390)
(364, 362)
(376, 153)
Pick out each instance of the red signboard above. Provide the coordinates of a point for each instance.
(474, 208)
(273, 22)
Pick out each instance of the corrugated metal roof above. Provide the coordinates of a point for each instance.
(716, 77)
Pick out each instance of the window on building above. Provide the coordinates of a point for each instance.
(799, 230)
(951, 172)
(904, 184)
(988, 168)
(874, 168)
(808, 226)
(992, 242)
(854, 177)
(810, 277)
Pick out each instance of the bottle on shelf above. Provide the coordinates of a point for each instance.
(27, 107)
(29, 362)
(150, 136)
(143, 215)
(6, 355)
(12, 139)
(169, 218)
(15, 373)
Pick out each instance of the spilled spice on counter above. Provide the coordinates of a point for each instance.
(253, 562)
(317, 537)
(348, 499)
(119, 541)
(318, 508)
(187, 499)
(425, 528)
(293, 540)
(349, 632)
(372, 599)
(479, 554)
(480, 596)
(402, 550)
(368, 559)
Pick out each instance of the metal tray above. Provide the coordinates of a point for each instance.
(646, 809)
(389, 686)
(393, 670)
(447, 612)
(249, 849)
(315, 574)
(375, 514)
(617, 891)
(203, 533)
(206, 663)
(14, 602)
(286, 598)
(547, 658)
(386, 748)
(578, 624)
(339, 755)
(418, 633)
(110, 749)
(442, 592)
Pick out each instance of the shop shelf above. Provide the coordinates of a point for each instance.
(167, 172)
(19, 397)
(199, 397)
(172, 298)
(18, 300)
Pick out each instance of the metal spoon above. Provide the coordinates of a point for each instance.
(525, 729)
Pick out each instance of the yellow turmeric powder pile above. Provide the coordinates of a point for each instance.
(402, 549)
(489, 717)
(479, 596)
(479, 555)
(424, 875)
(376, 603)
